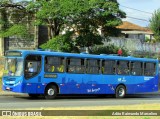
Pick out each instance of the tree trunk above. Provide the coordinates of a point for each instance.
(53, 28)
(49, 33)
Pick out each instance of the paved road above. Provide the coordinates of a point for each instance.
(23, 101)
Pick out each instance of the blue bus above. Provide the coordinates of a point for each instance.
(50, 73)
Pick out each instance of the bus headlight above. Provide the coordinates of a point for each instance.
(17, 83)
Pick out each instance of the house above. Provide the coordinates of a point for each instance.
(133, 31)
(137, 36)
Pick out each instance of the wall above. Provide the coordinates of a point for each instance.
(17, 43)
(135, 44)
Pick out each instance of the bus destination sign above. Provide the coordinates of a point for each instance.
(14, 54)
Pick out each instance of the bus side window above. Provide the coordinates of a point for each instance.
(75, 65)
(54, 64)
(122, 67)
(108, 67)
(149, 69)
(93, 66)
(137, 68)
(32, 65)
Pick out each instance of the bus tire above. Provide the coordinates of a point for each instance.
(34, 95)
(50, 92)
(120, 91)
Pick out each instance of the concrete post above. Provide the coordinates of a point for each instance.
(1, 40)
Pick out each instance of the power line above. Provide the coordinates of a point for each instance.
(136, 9)
(137, 18)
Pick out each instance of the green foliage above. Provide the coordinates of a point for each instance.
(15, 20)
(109, 49)
(148, 40)
(155, 24)
(109, 16)
(146, 55)
(101, 15)
(53, 14)
(88, 39)
(84, 18)
(16, 30)
(62, 43)
(5, 1)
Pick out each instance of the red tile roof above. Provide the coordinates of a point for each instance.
(127, 26)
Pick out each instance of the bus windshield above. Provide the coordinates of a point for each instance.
(13, 67)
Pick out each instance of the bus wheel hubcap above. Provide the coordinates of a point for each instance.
(121, 92)
(50, 92)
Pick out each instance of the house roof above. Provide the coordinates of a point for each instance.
(129, 27)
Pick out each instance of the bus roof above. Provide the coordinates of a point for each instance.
(82, 55)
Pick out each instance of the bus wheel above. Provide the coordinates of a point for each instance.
(120, 91)
(51, 92)
(34, 95)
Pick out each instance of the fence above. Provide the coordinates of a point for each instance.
(135, 44)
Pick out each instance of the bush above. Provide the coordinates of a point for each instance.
(62, 43)
(109, 49)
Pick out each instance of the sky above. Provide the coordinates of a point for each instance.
(148, 6)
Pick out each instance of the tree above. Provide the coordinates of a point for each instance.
(15, 19)
(155, 24)
(51, 13)
(101, 15)
(83, 18)
(61, 43)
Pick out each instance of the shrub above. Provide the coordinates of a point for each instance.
(109, 49)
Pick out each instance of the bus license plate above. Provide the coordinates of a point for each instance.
(7, 88)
